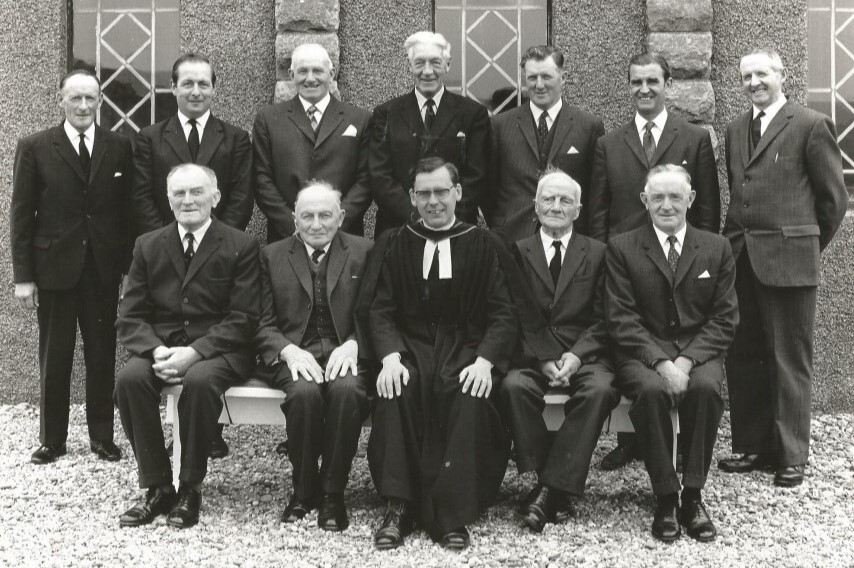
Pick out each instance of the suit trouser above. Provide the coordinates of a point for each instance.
(769, 368)
(563, 464)
(94, 306)
(137, 396)
(323, 421)
(700, 414)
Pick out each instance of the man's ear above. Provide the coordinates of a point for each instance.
(644, 199)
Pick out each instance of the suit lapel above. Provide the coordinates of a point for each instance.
(632, 140)
(298, 116)
(337, 260)
(69, 154)
(655, 252)
(174, 249)
(444, 117)
(207, 247)
(525, 122)
(173, 133)
(411, 114)
(741, 130)
(686, 259)
(211, 138)
(572, 259)
(778, 123)
(299, 262)
(329, 122)
(99, 151)
(668, 135)
(533, 250)
(562, 126)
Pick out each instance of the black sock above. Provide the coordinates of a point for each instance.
(668, 500)
(690, 494)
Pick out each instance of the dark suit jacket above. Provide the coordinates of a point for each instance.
(213, 307)
(57, 212)
(398, 140)
(287, 293)
(160, 147)
(573, 311)
(287, 155)
(620, 169)
(789, 198)
(653, 315)
(508, 205)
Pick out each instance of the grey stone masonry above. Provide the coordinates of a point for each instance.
(692, 100)
(688, 53)
(679, 15)
(306, 15)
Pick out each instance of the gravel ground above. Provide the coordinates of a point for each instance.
(66, 514)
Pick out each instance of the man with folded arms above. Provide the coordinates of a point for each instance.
(188, 317)
(309, 284)
(442, 323)
(565, 275)
(671, 311)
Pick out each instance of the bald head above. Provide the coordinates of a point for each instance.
(318, 214)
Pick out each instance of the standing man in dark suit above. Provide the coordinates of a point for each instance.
(787, 199)
(70, 247)
(312, 136)
(622, 161)
(195, 136)
(565, 274)
(671, 312)
(526, 140)
(307, 338)
(426, 122)
(188, 317)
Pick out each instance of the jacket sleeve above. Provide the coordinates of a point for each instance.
(238, 210)
(708, 201)
(269, 340)
(358, 198)
(22, 216)
(271, 203)
(136, 310)
(142, 195)
(389, 194)
(824, 168)
(599, 196)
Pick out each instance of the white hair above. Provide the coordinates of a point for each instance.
(298, 52)
(431, 38)
(553, 174)
(317, 185)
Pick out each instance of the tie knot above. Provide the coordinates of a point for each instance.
(192, 122)
(760, 115)
(429, 103)
(556, 244)
(316, 255)
(649, 126)
(82, 137)
(311, 110)
(189, 238)
(672, 240)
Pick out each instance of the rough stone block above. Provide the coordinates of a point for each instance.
(286, 90)
(679, 16)
(307, 15)
(288, 41)
(692, 100)
(688, 53)
(715, 144)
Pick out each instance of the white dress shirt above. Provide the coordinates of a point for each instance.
(74, 137)
(200, 124)
(550, 250)
(551, 114)
(198, 235)
(310, 249)
(662, 239)
(319, 105)
(422, 101)
(658, 122)
(444, 247)
(770, 113)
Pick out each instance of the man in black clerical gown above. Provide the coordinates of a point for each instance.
(441, 321)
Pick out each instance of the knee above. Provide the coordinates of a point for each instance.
(305, 394)
(599, 389)
(653, 392)
(512, 386)
(704, 388)
(196, 380)
(347, 388)
(133, 377)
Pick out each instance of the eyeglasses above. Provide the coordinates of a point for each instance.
(440, 193)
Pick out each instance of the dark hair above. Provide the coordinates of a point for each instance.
(430, 165)
(649, 59)
(82, 71)
(192, 58)
(541, 53)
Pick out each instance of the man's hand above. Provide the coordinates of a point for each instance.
(301, 362)
(550, 370)
(344, 358)
(176, 362)
(391, 376)
(685, 364)
(568, 365)
(675, 379)
(478, 376)
(27, 294)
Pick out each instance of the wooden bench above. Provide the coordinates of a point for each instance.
(253, 402)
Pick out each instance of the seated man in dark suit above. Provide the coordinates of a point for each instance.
(309, 286)
(565, 274)
(188, 317)
(671, 310)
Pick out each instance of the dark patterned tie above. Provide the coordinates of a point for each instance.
(672, 254)
(542, 130)
(554, 265)
(312, 118)
(429, 114)
(649, 143)
(85, 158)
(317, 255)
(190, 252)
(756, 131)
(193, 139)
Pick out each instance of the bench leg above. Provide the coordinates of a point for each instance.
(674, 421)
(172, 401)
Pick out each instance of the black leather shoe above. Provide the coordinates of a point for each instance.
(617, 458)
(540, 510)
(332, 513)
(47, 453)
(282, 448)
(455, 540)
(694, 517)
(219, 449)
(156, 502)
(296, 510)
(105, 450)
(185, 513)
(396, 525)
(789, 476)
(665, 527)
(746, 462)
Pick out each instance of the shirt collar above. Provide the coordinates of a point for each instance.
(772, 109)
(662, 236)
(659, 121)
(200, 122)
(548, 240)
(74, 136)
(552, 112)
(319, 105)
(437, 98)
(310, 249)
(445, 228)
(198, 234)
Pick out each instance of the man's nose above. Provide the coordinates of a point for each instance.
(540, 83)
(754, 80)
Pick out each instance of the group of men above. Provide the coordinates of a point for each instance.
(465, 329)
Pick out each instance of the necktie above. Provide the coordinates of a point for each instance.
(672, 254)
(554, 265)
(429, 114)
(193, 140)
(312, 110)
(85, 159)
(190, 252)
(542, 130)
(317, 255)
(756, 130)
(649, 143)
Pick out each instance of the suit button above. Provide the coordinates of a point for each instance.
(84, 241)
(186, 322)
(88, 215)
(672, 323)
(747, 230)
(746, 179)
(186, 300)
(746, 204)
(554, 328)
(551, 306)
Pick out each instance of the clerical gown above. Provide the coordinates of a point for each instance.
(442, 450)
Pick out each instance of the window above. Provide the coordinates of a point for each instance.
(487, 40)
(131, 44)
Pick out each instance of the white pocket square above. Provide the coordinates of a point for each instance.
(572, 150)
(351, 131)
(705, 274)
(461, 134)
(117, 174)
(684, 162)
